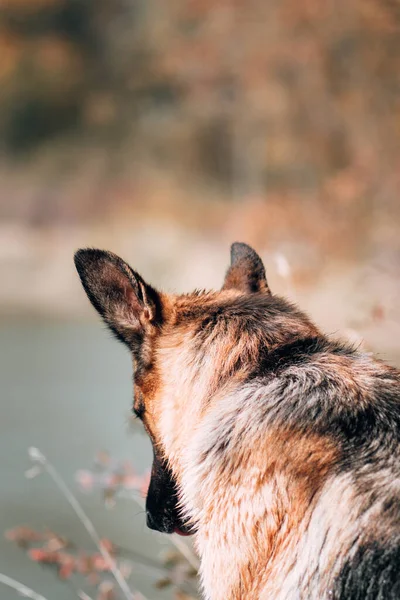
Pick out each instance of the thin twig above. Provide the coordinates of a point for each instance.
(186, 551)
(83, 596)
(19, 587)
(37, 456)
(141, 562)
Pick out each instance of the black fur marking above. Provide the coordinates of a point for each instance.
(372, 574)
(297, 353)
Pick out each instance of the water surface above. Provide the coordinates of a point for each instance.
(65, 388)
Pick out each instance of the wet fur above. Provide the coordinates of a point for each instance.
(278, 446)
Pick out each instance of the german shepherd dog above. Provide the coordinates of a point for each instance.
(277, 447)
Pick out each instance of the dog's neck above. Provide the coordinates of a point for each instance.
(244, 502)
(256, 548)
(195, 376)
(249, 506)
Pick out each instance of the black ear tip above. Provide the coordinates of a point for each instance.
(86, 257)
(79, 256)
(82, 257)
(241, 250)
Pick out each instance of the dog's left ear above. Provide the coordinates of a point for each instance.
(129, 306)
(247, 272)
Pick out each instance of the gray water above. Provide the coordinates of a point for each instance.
(66, 389)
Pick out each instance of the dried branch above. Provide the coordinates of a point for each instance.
(19, 587)
(38, 457)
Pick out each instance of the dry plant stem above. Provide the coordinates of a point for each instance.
(38, 456)
(20, 588)
(185, 550)
(177, 542)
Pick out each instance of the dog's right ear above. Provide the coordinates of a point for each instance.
(129, 306)
(246, 272)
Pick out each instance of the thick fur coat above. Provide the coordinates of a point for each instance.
(276, 447)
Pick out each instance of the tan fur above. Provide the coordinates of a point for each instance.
(254, 416)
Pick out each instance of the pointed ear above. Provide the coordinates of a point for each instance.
(247, 272)
(129, 306)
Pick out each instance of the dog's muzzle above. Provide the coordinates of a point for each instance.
(162, 512)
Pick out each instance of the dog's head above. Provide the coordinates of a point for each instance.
(185, 350)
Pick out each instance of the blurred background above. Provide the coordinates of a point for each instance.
(164, 131)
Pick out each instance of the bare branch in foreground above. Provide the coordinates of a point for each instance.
(37, 456)
(19, 587)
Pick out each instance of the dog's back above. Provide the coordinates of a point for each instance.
(322, 518)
